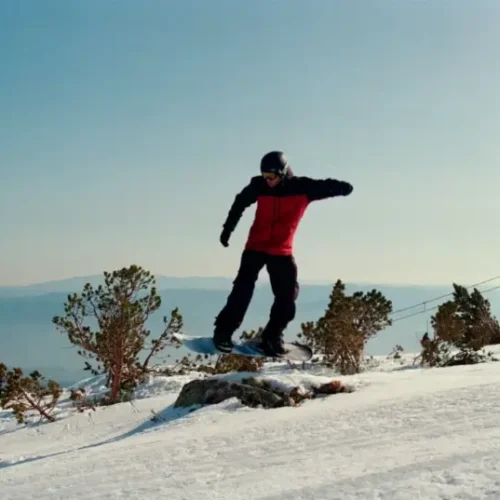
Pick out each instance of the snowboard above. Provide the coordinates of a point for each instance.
(205, 345)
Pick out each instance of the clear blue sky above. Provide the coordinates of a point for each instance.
(127, 128)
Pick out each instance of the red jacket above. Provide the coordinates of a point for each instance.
(279, 209)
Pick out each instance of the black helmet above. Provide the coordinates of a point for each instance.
(275, 162)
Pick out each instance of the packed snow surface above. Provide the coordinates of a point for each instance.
(404, 433)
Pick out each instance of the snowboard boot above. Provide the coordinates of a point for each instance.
(273, 346)
(222, 341)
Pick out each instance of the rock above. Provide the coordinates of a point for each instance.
(250, 392)
(213, 391)
(333, 387)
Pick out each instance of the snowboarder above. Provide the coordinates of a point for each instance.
(282, 199)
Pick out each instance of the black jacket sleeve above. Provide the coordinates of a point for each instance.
(319, 189)
(246, 197)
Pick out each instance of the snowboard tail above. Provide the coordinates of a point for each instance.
(205, 345)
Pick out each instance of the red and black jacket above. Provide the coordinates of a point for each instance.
(279, 209)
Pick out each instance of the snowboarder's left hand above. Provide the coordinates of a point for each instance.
(345, 188)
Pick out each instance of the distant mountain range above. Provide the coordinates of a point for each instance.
(76, 284)
(29, 339)
(70, 285)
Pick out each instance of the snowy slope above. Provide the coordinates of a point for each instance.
(405, 433)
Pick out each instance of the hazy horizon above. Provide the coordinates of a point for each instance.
(263, 279)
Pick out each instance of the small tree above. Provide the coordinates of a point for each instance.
(167, 338)
(482, 328)
(120, 308)
(435, 352)
(466, 321)
(348, 323)
(22, 394)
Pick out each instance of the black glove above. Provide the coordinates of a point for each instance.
(224, 237)
(345, 189)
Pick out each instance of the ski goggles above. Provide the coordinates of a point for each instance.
(269, 175)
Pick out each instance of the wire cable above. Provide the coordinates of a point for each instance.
(436, 307)
(425, 302)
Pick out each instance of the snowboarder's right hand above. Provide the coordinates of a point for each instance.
(224, 238)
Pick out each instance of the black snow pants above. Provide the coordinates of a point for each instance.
(282, 271)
